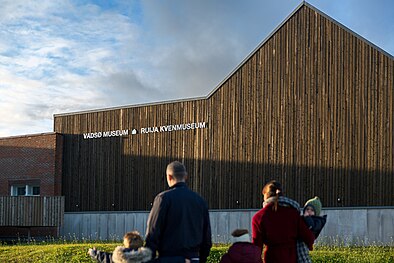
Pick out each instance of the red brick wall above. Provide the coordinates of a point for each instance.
(31, 159)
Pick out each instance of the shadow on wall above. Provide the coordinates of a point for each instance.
(110, 175)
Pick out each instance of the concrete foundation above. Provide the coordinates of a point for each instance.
(345, 226)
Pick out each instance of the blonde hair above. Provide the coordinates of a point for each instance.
(133, 240)
(273, 189)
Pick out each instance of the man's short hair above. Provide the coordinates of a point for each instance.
(177, 169)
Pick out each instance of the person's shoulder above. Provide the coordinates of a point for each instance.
(119, 250)
(122, 254)
(267, 208)
(245, 245)
(290, 211)
(165, 192)
(171, 193)
(194, 195)
(316, 220)
(261, 212)
(162, 196)
(189, 194)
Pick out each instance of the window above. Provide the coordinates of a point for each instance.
(36, 190)
(25, 190)
(20, 190)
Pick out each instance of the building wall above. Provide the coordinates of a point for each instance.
(311, 107)
(33, 158)
(30, 159)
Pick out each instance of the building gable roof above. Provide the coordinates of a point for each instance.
(299, 7)
(218, 86)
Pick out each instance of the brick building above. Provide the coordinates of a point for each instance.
(30, 165)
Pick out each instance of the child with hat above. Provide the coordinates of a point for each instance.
(315, 222)
(242, 250)
(311, 213)
(312, 206)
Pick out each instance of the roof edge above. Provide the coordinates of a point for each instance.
(197, 98)
(220, 84)
(273, 32)
(29, 135)
(348, 30)
(129, 106)
(303, 3)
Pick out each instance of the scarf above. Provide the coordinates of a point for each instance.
(283, 201)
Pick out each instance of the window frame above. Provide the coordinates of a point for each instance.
(29, 189)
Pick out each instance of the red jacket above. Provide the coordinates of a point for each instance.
(242, 252)
(278, 231)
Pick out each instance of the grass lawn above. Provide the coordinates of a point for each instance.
(77, 252)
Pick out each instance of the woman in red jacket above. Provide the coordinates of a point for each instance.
(278, 226)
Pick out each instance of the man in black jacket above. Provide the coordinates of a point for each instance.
(178, 224)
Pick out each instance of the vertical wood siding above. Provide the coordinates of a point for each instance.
(31, 211)
(312, 108)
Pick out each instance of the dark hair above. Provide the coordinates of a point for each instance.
(177, 169)
(273, 189)
(239, 232)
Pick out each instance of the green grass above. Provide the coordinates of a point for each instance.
(77, 252)
(368, 254)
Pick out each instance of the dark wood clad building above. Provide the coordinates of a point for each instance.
(312, 107)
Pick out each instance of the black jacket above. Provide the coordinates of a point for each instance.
(178, 224)
(315, 223)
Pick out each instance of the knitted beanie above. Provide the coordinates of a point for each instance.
(240, 235)
(315, 204)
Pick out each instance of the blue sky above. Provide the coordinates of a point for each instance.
(59, 56)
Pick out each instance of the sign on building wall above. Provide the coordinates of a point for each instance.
(146, 130)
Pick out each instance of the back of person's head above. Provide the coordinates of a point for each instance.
(240, 235)
(273, 189)
(133, 240)
(177, 170)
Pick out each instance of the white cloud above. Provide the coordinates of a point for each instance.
(61, 56)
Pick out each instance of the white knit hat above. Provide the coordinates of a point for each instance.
(240, 235)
